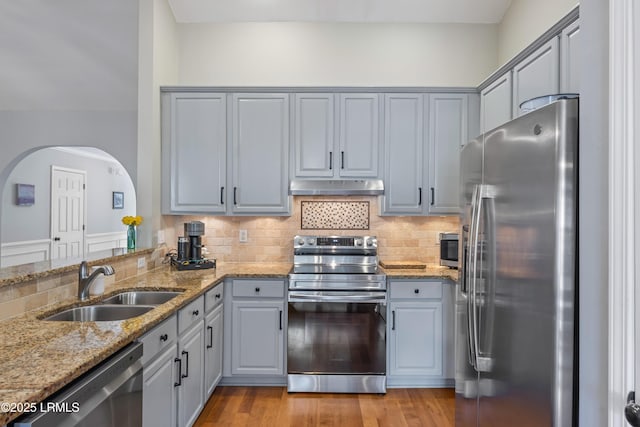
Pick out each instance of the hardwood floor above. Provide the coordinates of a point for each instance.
(274, 407)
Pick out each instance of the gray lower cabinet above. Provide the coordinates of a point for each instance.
(159, 374)
(260, 154)
(191, 355)
(194, 152)
(213, 325)
(420, 331)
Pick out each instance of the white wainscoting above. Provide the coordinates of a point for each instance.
(25, 252)
(104, 241)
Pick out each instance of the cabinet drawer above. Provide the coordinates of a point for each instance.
(258, 288)
(154, 341)
(214, 297)
(412, 289)
(190, 314)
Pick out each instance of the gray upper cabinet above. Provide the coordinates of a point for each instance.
(314, 135)
(403, 154)
(260, 165)
(537, 75)
(448, 132)
(194, 156)
(359, 136)
(569, 67)
(495, 103)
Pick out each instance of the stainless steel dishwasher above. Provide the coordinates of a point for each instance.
(110, 395)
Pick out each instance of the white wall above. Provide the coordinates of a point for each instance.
(336, 54)
(525, 21)
(158, 65)
(68, 77)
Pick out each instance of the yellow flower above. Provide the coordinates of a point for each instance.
(132, 220)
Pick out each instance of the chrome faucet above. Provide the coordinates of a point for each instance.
(85, 279)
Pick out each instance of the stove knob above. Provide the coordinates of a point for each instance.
(372, 242)
(300, 242)
(311, 241)
(358, 242)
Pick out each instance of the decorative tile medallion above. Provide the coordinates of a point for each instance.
(334, 215)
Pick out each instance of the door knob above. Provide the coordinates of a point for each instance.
(632, 410)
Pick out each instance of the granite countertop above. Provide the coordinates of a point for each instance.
(38, 357)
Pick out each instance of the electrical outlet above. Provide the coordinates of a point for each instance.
(243, 236)
(142, 262)
(161, 237)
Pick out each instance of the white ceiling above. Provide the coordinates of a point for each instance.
(431, 11)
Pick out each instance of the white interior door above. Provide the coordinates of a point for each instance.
(67, 212)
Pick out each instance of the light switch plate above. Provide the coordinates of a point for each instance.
(243, 236)
(161, 237)
(142, 262)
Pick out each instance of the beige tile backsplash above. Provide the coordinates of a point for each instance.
(270, 239)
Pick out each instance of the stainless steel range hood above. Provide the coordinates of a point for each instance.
(343, 187)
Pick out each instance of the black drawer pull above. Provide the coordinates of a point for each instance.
(164, 337)
(257, 289)
(417, 291)
(218, 296)
(195, 312)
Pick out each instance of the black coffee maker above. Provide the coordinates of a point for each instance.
(189, 254)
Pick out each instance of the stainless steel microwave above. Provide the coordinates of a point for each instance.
(449, 249)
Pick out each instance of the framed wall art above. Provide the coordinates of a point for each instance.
(118, 200)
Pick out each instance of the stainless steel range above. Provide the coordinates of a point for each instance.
(337, 316)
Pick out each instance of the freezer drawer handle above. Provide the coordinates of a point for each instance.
(632, 410)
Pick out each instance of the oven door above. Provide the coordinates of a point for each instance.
(336, 341)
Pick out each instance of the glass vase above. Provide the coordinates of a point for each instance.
(131, 237)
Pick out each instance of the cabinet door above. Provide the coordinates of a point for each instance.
(257, 338)
(213, 350)
(415, 338)
(194, 155)
(191, 392)
(359, 136)
(448, 127)
(403, 154)
(536, 75)
(159, 393)
(495, 103)
(314, 135)
(260, 154)
(569, 62)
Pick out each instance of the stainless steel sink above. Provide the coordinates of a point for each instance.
(141, 297)
(100, 313)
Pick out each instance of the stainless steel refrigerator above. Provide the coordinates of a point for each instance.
(516, 297)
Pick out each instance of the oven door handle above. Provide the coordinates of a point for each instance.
(297, 296)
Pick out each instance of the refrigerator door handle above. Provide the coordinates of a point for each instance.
(470, 273)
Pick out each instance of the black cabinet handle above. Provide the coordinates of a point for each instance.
(417, 291)
(433, 196)
(393, 320)
(210, 329)
(280, 319)
(330, 160)
(235, 192)
(186, 355)
(342, 160)
(257, 289)
(164, 337)
(218, 296)
(419, 196)
(195, 312)
(222, 195)
(56, 239)
(179, 383)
